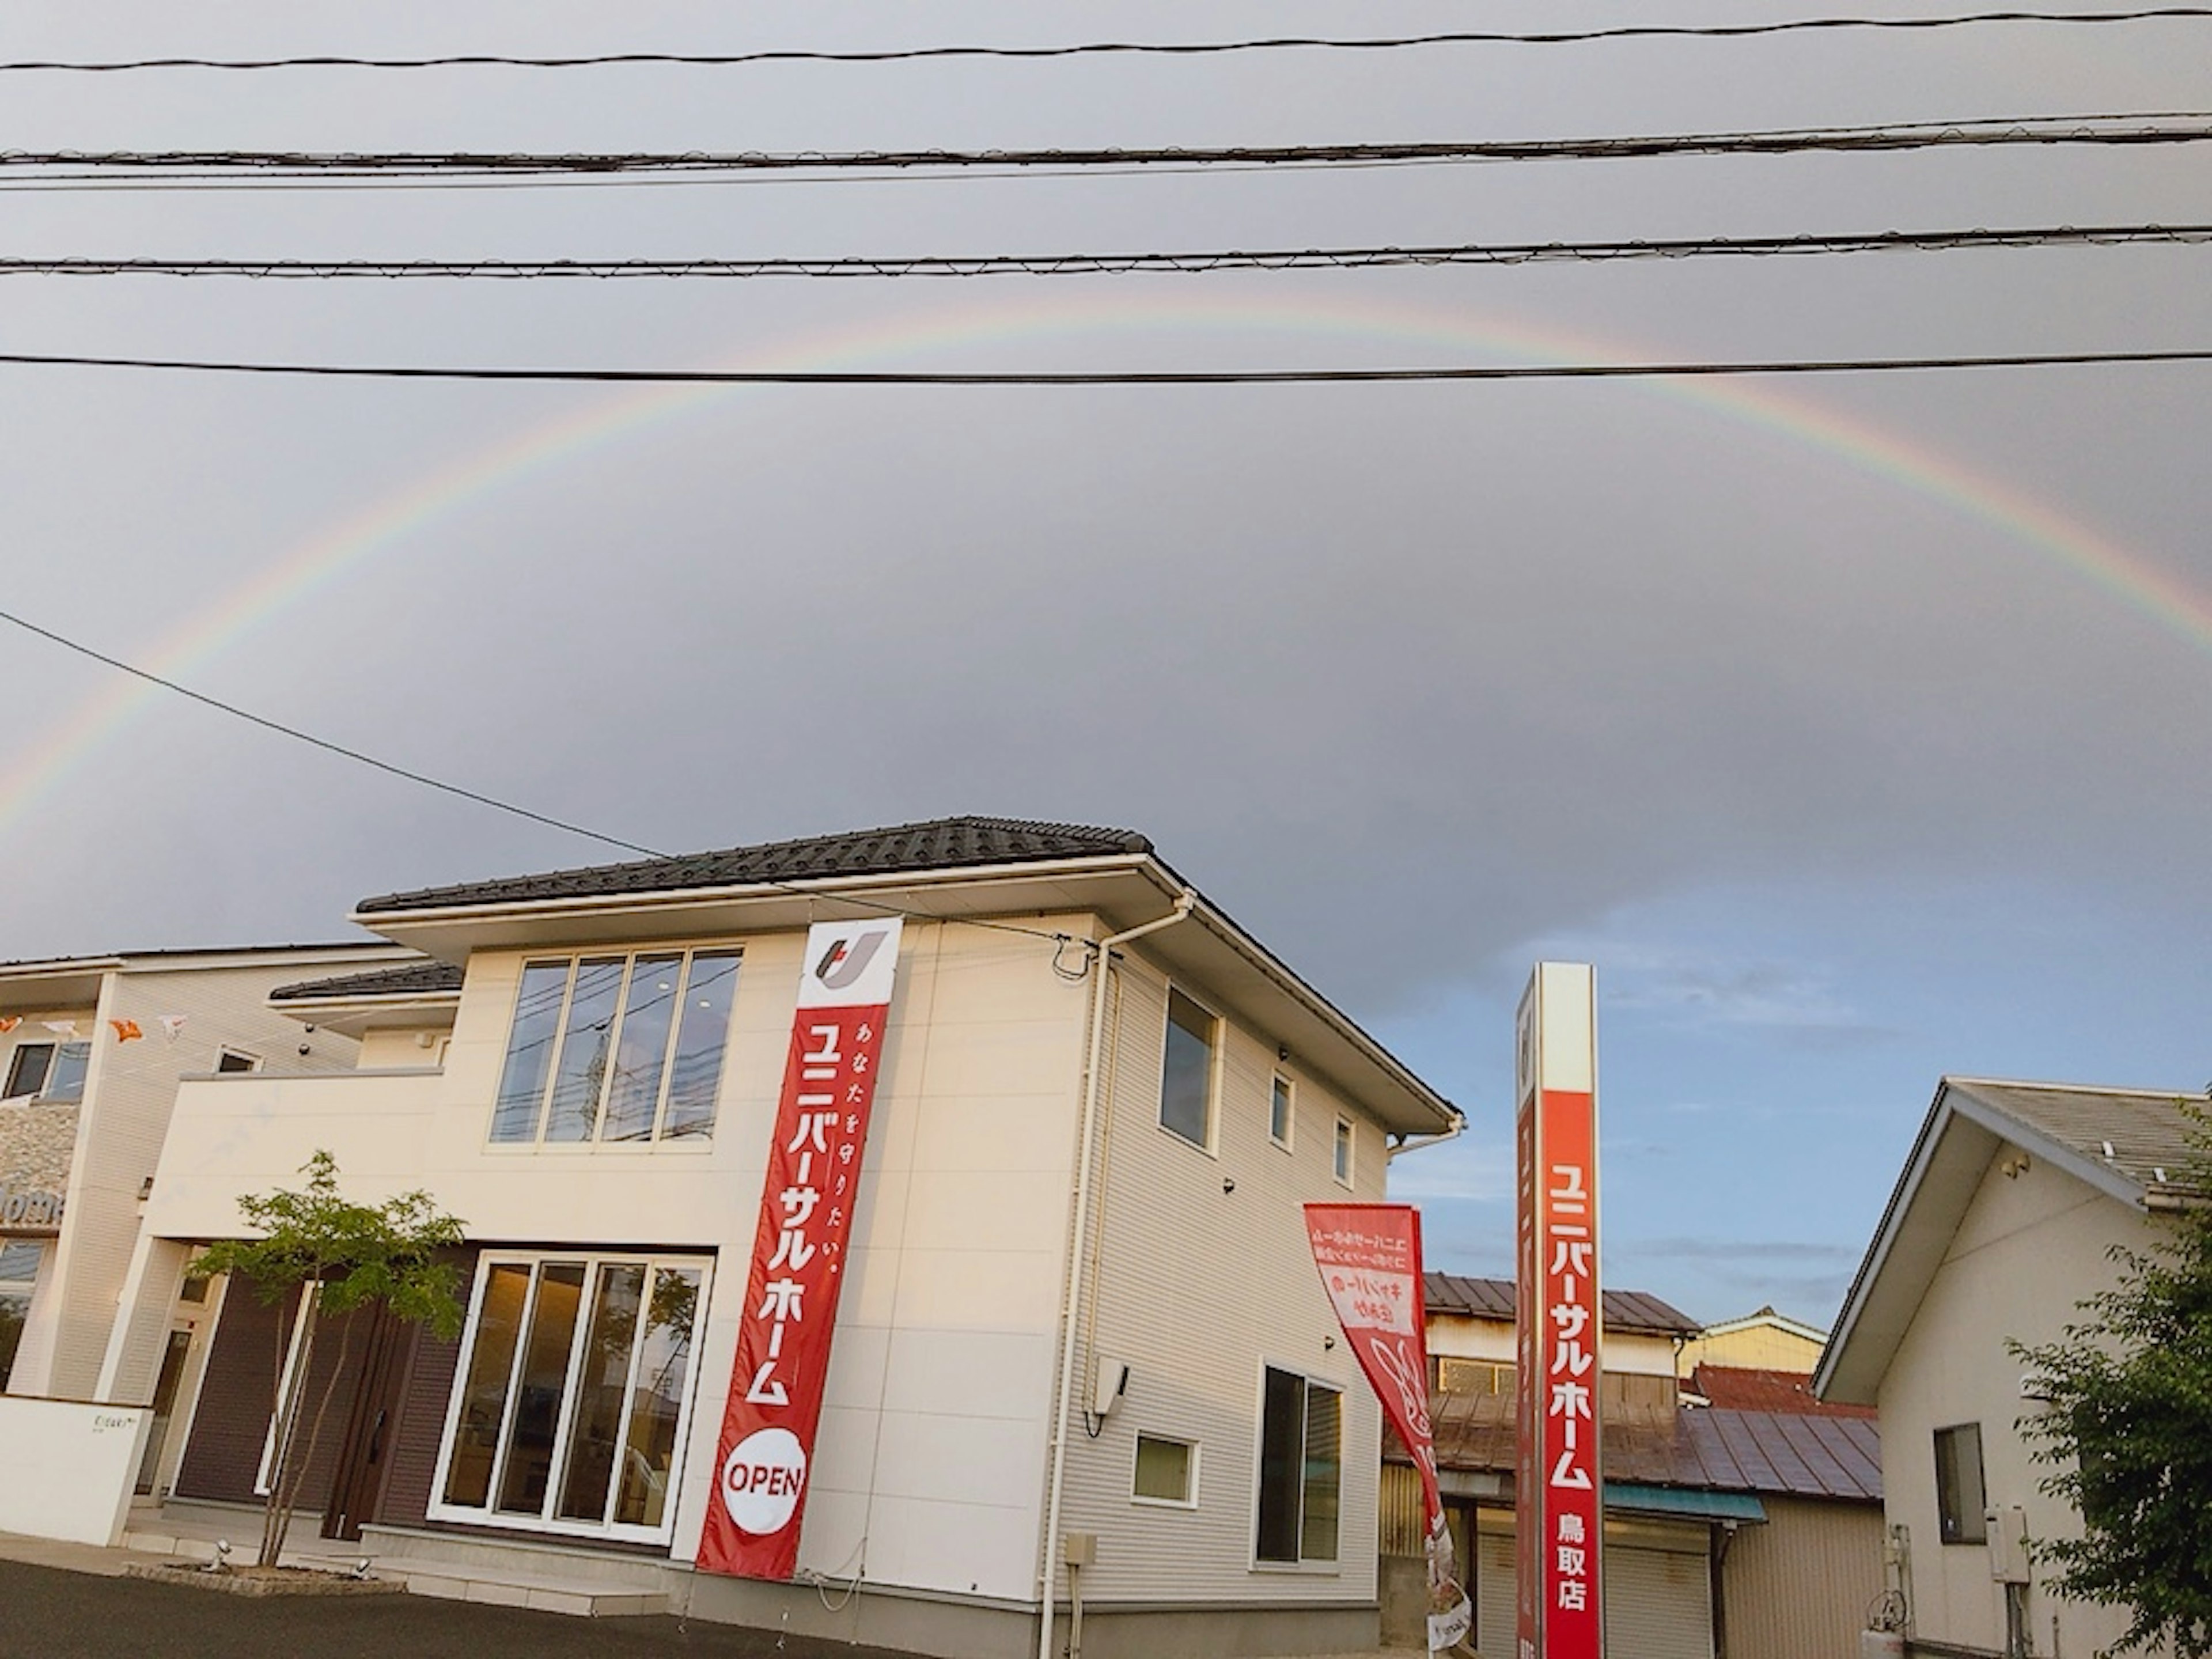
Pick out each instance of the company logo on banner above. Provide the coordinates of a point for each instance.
(1370, 1257)
(790, 1310)
(1558, 1517)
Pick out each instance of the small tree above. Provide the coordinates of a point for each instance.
(2127, 1432)
(340, 1256)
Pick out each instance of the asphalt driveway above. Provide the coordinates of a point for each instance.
(46, 1613)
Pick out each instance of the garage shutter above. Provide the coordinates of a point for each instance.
(1657, 1601)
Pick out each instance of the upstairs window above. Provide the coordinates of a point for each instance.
(47, 1071)
(1280, 1110)
(1186, 1072)
(617, 1047)
(1960, 1507)
(1341, 1165)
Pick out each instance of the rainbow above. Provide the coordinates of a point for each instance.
(300, 572)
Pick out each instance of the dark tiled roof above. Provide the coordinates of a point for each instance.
(2142, 1134)
(1773, 1454)
(415, 980)
(1494, 1298)
(1744, 1387)
(940, 844)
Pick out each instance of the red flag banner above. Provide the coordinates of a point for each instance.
(1370, 1257)
(790, 1308)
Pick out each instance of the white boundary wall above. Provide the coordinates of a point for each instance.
(71, 1467)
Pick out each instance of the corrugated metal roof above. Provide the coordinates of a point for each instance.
(1775, 1454)
(1744, 1387)
(937, 844)
(2147, 1131)
(1496, 1299)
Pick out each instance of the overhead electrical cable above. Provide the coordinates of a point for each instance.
(1125, 48)
(477, 796)
(2138, 128)
(1691, 369)
(1193, 263)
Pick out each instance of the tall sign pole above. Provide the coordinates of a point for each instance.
(1558, 1517)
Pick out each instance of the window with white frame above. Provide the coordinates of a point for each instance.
(1166, 1472)
(228, 1061)
(1282, 1111)
(571, 1394)
(1187, 1070)
(47, 1071)
(617, 1047)
(1342, 1156)
(1301, 1469)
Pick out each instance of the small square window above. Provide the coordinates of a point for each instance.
(1280, 1112)
(237, 1059)
(1342, 1166)
(47, 1071)
(1187, 1070)
(1959, 1503)
(1166, 1472)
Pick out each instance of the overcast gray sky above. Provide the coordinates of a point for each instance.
(1856, 728)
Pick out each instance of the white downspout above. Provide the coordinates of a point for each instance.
(1094, 1071)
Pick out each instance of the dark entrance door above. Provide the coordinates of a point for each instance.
(372, 1427)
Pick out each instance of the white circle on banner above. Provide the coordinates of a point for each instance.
(762, 1479)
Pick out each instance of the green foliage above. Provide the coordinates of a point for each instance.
(357, 1253)
(348, 1257)
(2127, 1433)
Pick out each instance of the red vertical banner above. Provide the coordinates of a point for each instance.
(790, 1310)
(1370, 1258)
(1558, 1516)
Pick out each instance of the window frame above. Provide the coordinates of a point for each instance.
(250, 1061)
(1285, 1088)
(1955, 1523)
(1328, 1566)
(1190, 1480)
(658, 1140)
(53, 1048)
(1344, 1153)
(554, 1523)
(1215, 1042)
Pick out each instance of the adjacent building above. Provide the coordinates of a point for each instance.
(1081, 1352)
(1754, 1531)
(2002, 1222)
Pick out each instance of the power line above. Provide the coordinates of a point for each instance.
(339, 748)
(478, 797)
(1125, 48)
(2163, 128)
(1115, 264)
(1694, 370)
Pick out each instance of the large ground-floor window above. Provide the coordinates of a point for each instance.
(573, 1394)
(1301, 1469)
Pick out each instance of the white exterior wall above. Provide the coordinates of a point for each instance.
(2028, 1250)
(929, 1468)
(129, 1093)
(404, 1048)
(1196, 1289)
(1459, 1336)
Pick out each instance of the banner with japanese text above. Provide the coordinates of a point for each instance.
(1558, 1515)
(1370, 1257)
(790, 1308)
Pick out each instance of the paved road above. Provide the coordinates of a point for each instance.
(49, 1613)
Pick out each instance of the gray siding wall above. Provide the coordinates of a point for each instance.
(1197, 1287)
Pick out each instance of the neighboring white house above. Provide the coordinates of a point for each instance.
(2002, 1224)
(1228, 1490)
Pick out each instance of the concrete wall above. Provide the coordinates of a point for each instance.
(70, 1468)
(2028, 1250)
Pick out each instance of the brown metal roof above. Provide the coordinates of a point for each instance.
(1744, 1387)
(1495, 1298)
(1771, 1454)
